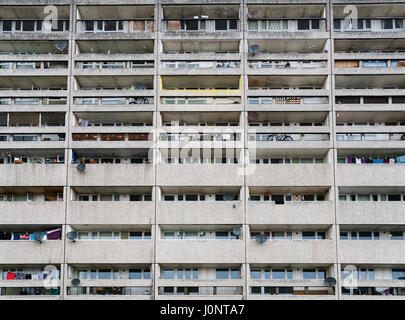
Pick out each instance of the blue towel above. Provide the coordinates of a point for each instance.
(400, 159)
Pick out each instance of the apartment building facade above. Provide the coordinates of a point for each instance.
(210, 149)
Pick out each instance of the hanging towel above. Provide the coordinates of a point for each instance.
(54, 234)
(10, 276)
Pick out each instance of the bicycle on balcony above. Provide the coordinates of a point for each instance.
(280, 137)
(139, 100)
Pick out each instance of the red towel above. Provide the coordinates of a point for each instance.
(10, 276)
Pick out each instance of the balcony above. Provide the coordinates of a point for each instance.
(303, 20)
(371, 252)
(371, 140)
(304, 212)
(292, 251)
(32, 175)
(112, 175)
(31, 252)
(290, 175)
(217, 212)
(200, 251)
(27, 141)
(200, 175)
(109, 251)
(98, 213)
(31, 213)
(369, 175)
(211, 21)
(125, 21)
(288, 140)
(370, 213)
(110, 140)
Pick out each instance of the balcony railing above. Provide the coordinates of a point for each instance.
(298, 64)
(32, 25)
(113, 100)
(109, 291)
(288, 100)
(202, 290)
(395, 24)
(110, 137)
(33, 101)
(289, 137)
(32, 137)
(201, 64)
(200, 25)
(370, 137)
(115, 25)
(287, 25)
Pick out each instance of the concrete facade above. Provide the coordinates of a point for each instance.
(195, 144)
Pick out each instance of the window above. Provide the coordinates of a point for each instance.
(255, 274)
(394, 197)
(221, 24)
(364, 235)
(256, 290)
(235, 274)
(396, 235)
(303, 24)
(168, 274)
(7, 25)
(308, 235)
(398, 274)
(278, 274)
(135, 274)
(221, 235)
(191, 197)
(104, 274)
(309, 274)
(222, 274)
(387, 24)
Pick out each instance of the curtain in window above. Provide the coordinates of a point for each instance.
(173, 25)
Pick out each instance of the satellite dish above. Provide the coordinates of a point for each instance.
(81, 166)
(253, 116)
(38, 236)
(261, 238)
(75, 282)
(253, 50)
(60, 45)
(237, 231)
(72, 235)
(330, 282)
(228, 197)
